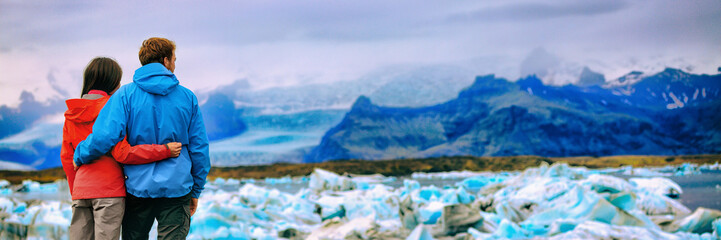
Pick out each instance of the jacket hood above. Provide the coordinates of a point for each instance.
(84, 110)
(155, 78)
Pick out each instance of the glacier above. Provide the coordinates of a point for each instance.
(546, 202)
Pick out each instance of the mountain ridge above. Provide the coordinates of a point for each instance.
(496, 117)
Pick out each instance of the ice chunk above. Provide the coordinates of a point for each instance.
(658, 185)
(411, 185)
(324, 180)
(32, 186)
(715, 166)
(206, 224)
(457, 195)
(420, 233)
(4, 183)
(562, 226)
(431, 212)
(382, 208)
(655, 204)
(6, 205)
(331, 206)
(426, 194)
(508, 229)
(699, 222)
(446, 175)
(717, 228)
(643, 172)
(599, 230)
(232, 181)
(371, 179)
(358, 228)
(545, 189)
(559, 170)
(20, 208)
(219, 181)
(477, 182)
(687, 169)
(582, 205)
(254, 196)
(605, 183)
(490, 222)
(625, 201)
(283, 180)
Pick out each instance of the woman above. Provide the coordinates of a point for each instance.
(98, 189)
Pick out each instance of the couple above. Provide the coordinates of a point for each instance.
(154, 128)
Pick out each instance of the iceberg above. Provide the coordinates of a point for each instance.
(358, 228)
(33, 186)
(509, 230)
(321, 180)
(687, 169)
(643, 172)
(657, 185)
(599, 230)
(431, 212)
(605, 183)
(48, 219)
(654, 204)
(477, 182)
(700, 221)
(283, 180)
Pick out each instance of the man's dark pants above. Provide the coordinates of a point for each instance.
(173, 215)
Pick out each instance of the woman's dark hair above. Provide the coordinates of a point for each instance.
(101, 74)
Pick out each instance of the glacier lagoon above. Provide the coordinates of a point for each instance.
(546, 202)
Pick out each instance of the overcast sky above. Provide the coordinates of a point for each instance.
(45, 45)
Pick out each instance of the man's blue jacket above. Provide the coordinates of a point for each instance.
(154, 109)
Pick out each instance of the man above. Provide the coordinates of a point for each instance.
(154, 109)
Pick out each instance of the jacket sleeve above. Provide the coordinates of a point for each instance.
(66, 157)
(198, 150)
(109, 129)
(139, 154)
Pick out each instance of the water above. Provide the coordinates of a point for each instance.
(700, 190)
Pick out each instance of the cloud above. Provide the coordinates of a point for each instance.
(56, 86)
(540, 11)
(287, 42)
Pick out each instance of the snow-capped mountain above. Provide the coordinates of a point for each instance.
(495, 117)
(288, 124)
(35, 148)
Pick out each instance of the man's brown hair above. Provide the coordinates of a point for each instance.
(101, 74)
(155, 49)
